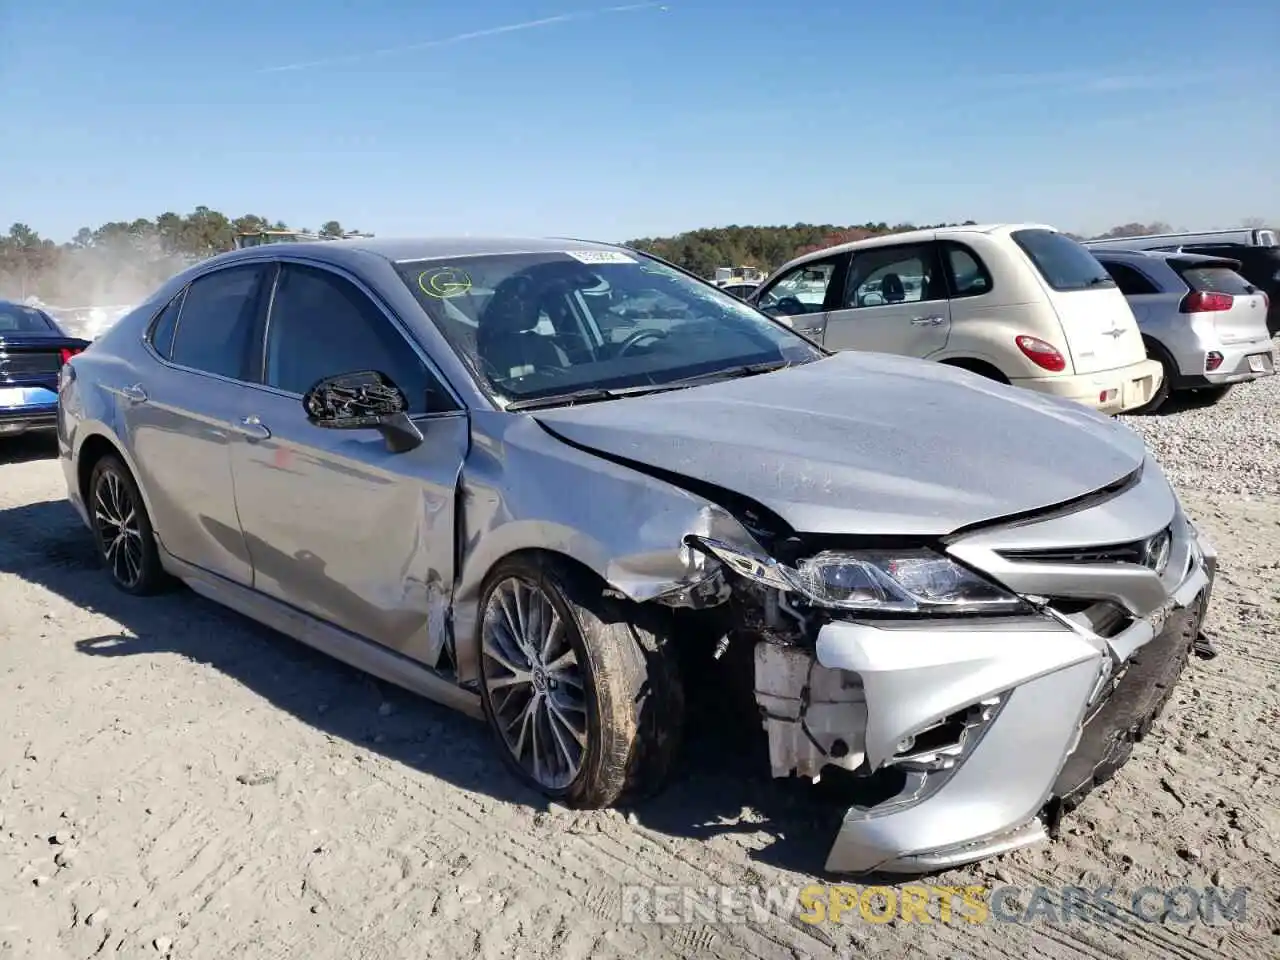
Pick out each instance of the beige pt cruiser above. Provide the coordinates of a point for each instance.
(1020, 303)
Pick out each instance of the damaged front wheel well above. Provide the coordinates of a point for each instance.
(605, 598)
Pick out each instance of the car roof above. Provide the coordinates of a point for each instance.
(410, 249)
(916, 236)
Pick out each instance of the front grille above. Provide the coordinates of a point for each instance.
(25, 364)
(1134, 552)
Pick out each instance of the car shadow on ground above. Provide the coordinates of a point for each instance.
(721, 788)
(26, 447)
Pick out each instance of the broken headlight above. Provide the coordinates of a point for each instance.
(902, 581)
(897, 581)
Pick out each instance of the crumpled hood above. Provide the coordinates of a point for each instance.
(866, 444)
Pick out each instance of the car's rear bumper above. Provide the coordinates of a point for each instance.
(1239, 363)
(1110, 391)
(18, 420)
(1058, 723)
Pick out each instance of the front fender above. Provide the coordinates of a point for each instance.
(523, 489)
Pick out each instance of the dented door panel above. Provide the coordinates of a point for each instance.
(339, 526)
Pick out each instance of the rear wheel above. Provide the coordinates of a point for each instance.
(584, 702)
(122, 529)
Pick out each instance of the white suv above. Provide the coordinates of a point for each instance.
(1020, 303)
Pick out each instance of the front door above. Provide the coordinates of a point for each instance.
(182, 417)
(894, 300)
(336, 524)
(802, 295)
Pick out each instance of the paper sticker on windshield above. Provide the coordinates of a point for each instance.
(594, 257)
(444, 282)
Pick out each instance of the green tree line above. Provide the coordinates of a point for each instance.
(121, 261)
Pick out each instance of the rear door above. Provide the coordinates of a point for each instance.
(1237, 307)
(895, 300)
(1099, 327)
(183, 416)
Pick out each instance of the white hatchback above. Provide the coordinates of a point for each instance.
(1020, 303)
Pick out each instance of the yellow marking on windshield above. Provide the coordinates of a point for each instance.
(444, 282)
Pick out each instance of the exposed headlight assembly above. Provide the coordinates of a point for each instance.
(873, 581)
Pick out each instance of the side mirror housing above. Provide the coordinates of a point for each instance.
(365, 400)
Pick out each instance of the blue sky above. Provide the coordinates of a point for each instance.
(546, 117)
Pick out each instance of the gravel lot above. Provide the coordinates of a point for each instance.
(175, 780)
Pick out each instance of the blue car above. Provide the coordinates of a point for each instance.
(32, 351)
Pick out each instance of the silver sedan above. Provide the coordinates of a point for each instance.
(535, 479)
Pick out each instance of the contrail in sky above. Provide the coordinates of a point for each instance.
(462, 37)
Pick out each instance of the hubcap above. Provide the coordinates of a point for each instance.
(534, 682)
(117, 520)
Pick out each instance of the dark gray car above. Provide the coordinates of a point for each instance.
(535, 479)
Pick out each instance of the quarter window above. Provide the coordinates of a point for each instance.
(885, 276)
(164, 325)
(323, 325)
(1130, 281)
(216, 322)
(968, 274)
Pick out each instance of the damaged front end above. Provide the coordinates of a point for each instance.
(956, 699)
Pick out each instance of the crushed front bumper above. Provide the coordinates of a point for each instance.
(1045, 711)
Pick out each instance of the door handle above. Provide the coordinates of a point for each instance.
(134, 394)
(928, 321)
(253, 428)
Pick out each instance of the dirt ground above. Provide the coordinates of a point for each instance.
(177, 780)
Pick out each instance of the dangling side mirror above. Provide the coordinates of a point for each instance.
(364, 400)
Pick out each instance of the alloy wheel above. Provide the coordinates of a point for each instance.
(534, 682)
(119, 531)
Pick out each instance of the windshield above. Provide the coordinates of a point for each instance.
(1064, 263)
(16, 318)
(541, 325)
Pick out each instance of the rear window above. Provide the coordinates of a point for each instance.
(1215, 280)
(17, 318)
(1064, 264)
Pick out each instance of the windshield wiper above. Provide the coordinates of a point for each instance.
(1101, 281)
(742, 370)
(585, 395)
(597, 394)
(591, 395)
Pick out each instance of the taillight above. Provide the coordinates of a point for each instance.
(68, 352)
(1042, 354)
(1197, 301)
(1212, 361)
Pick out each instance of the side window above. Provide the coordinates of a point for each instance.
(884, 276)
(802, 290)
(216, 321)
(163, 327)
(969, 276)
(322, 325)
(1130, 281)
